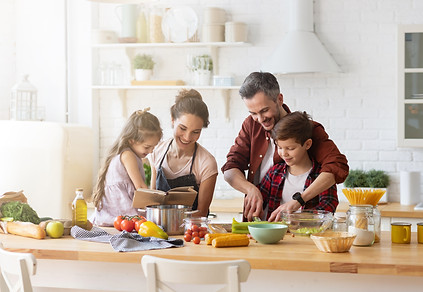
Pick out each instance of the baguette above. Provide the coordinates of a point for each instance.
(26, 229)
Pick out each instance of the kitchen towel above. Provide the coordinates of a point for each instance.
(124, 241)
(409, 187)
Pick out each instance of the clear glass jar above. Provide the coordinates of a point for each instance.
(197, 224)
(360, 221)
(340, 222)
(377, 220)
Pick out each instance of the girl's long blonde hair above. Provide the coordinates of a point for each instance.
(140, 126)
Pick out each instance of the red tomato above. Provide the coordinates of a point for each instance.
(138, 224)
(203, 228)
(117, 222)
(189, 231)
(127, 225)
(201, 234)
(135, 219)
(197, 240)
(195, 227)
(194, 234)
(187, 237)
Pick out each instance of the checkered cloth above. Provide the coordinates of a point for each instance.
(124, 241)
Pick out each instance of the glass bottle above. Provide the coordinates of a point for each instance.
(155, 25)
(360, 221)
(79, 210)
(141, 29)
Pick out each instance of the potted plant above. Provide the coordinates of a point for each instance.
(373, 179)
(143, 65)
(203, 66)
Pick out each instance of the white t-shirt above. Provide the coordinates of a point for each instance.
(293, 184)
(205, 164)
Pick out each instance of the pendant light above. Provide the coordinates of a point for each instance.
(300, 51)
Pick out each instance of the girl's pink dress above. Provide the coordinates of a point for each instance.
(119, 192)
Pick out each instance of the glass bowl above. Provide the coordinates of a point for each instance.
(306, 222)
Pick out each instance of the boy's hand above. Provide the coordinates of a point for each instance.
(290, 206)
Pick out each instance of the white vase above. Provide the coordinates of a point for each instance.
(202, 77)
(143, 74)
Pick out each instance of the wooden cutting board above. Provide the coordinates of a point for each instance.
(157, 83)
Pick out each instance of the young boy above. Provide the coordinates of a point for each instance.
(285, 181)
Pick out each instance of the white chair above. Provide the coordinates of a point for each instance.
(159, 270)
(16, 269)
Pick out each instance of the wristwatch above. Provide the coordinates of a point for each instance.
(297, 196)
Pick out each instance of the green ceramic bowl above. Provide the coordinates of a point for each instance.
(268, 233)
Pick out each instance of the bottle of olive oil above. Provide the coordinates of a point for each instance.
(79, 210)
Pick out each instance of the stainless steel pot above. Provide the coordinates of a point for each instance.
(170, 217)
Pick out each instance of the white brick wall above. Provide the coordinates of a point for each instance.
(357, 107)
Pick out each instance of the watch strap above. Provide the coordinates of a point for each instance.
(297, 196)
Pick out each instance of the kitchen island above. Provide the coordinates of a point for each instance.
(71, 263)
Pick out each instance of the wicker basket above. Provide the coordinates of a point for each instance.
(333, 241)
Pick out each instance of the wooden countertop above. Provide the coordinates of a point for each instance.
(390, 210)
(292, 253)
(235, 205)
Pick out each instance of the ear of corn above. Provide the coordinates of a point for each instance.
(231, 240)
(210, 236)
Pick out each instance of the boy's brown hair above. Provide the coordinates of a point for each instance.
(296, 125)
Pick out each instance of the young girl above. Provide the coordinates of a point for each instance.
(180, 160)
(123, 170)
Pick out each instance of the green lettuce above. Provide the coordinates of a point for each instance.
(19, 212)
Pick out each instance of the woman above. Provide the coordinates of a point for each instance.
(180, 160)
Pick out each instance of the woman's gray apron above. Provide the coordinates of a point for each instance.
(164, 184)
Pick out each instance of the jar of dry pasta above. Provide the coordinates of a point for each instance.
(360, 221)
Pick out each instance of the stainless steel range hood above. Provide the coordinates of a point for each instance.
(300, 51)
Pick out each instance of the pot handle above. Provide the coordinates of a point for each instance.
(191, 212)
(142, 211)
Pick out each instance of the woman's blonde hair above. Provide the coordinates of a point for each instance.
(190, 102)
(140, 126)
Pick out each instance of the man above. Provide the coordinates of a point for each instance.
(254, 149)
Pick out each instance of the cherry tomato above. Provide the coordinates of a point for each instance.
(189, 231)
(197, 240)
(194, 234)
(127, 225)
(135, 219)
(201, 234)
(117, 222)
(187, 237)
(195, 227)
(203, 228)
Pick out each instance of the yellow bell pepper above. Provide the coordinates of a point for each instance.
(149, 228)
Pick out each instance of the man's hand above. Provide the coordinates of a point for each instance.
(253, 204)
(289, 207)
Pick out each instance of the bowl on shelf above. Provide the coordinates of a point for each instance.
(307, 222)
(268, 233)
(333, 241)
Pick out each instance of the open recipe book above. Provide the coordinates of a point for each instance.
(175, 196)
